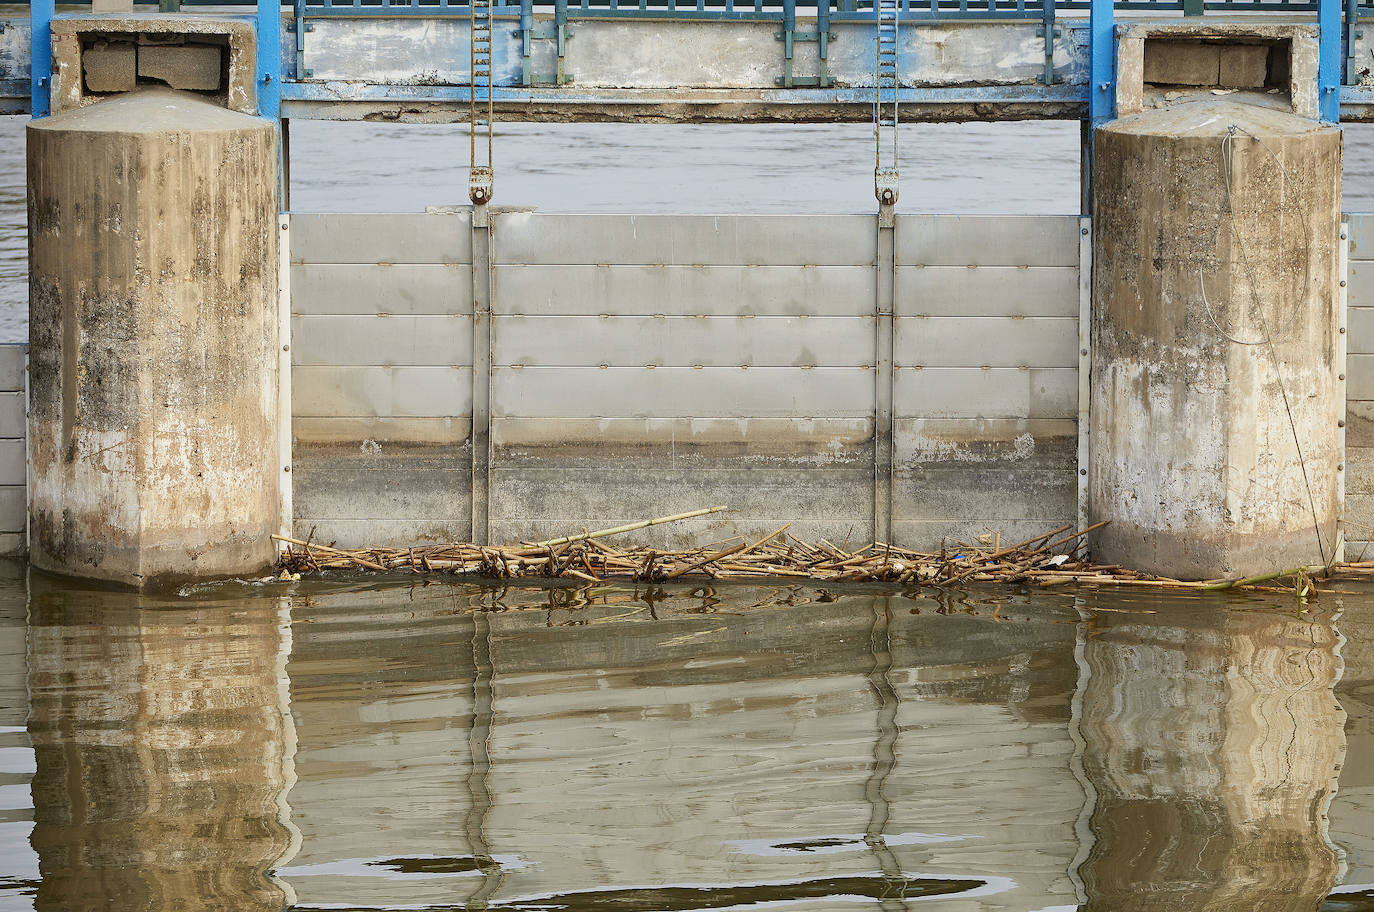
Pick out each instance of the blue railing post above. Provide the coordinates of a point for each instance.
(788, 33)
(269, 58)
(40, 56)
(1102, 61)
(526, 33)
(269, 85)
(1048, 31)
(823, 79)
(1329, 60)
(1348, 36)
(560, 27)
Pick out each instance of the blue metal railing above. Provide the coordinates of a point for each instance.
(1337, 21)
(839, 9)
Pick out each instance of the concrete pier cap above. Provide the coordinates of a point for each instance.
(153, 419)
(1215, 447)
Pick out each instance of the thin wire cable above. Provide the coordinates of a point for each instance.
(1226, 158)
(1267, 338)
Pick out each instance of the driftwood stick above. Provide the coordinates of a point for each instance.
(629, 527)
(353, 557)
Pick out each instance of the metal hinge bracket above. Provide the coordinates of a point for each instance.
(790, 37)
(559, 33)
(1047, 77)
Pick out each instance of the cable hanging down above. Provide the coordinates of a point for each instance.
(480, 175)
(885, 102)
(1266, 336)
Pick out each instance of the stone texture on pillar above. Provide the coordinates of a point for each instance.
(1216, 233)
(153, 331)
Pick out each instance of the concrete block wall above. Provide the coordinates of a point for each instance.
(13, 450)
(985, 349)
(381, 377)
(1359, 420)
(645, 365)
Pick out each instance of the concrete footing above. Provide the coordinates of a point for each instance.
(1215, 397)
(153, 427)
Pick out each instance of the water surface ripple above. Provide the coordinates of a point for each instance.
(378, 745)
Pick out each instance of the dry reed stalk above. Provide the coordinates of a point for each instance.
(778, 555)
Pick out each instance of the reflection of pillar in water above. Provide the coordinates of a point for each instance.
(1211, 740)
(164, 748)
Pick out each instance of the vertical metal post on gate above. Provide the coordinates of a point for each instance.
(481, 374)
(882, 432)
(1342, 347)
(286, 489)
(1085, 351)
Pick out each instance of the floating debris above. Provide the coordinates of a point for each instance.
(1053, 558)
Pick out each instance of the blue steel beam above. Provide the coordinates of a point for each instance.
(1329, 60)
(269, 58)
(932, 10)
(1101, 62)
(319, 93)
(40, 55)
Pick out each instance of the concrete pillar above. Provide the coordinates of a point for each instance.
(153, 331)
(1215, 293)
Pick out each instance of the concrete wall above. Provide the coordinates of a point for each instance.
(644, 365)
(986, 358)
(1359, 429)
(381, 378)
(986, 402)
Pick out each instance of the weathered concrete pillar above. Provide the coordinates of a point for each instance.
(1214, 338)
(153, 333)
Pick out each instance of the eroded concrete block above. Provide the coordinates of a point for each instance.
(110, 66)
(189, 66)
(1182, 63)
(1243, 66)
(233, 37)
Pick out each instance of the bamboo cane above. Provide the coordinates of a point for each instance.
(630, 527)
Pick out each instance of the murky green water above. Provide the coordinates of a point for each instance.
(355, 745)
